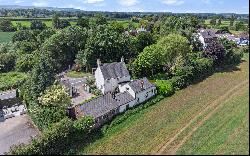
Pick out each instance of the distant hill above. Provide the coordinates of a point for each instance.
(13, 7)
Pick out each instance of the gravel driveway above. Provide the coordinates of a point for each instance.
(14, 131)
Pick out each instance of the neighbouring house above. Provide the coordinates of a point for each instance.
(120, 93)
(206, 36)
(109, 75)
(10, 105)
(141, 29)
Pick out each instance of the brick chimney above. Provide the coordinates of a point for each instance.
(122, 59)
(98, 61)
(142, 84)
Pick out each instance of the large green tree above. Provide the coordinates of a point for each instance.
(6, 25)
(167, 53)
(63, 46)
(37, 24)
(106, 44)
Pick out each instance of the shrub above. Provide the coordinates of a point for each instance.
(7, 62)
(178, 82)
(165, 87)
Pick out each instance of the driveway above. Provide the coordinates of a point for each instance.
(14, 131)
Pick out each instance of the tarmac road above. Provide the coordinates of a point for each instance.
(14, 131)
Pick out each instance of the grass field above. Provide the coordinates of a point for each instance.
(27, 23)
(226, 131)
(6, 36)
(149, 131)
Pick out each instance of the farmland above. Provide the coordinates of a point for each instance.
(6, 36)
(149, 131)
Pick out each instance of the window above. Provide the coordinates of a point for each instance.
(127, 88)
(127, 107)
(146, 96)
(138, 99)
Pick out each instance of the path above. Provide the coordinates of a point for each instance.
(14, 131)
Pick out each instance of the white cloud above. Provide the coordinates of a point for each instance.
(18, 1)
(93, 1)
(128, 3)
(173, 2)
(40, 4)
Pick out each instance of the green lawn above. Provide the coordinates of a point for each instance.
(11, 80)
(148, 130)
(226, 132)
(6, 36)
(75, 74)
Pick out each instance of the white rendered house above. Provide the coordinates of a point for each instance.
(109, 75)
(140, 89)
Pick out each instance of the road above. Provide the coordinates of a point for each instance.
(14, 131)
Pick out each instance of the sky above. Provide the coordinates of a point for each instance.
(175, 6)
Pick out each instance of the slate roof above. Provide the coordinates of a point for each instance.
(114, 70)
(136, 85)
(104, 104)
(99, 106)
(207, 33)
(123, 98)
(8, 95)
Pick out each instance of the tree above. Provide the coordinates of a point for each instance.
(106, 44)
(168, 52)
(37, 24)
(25, 63)
(114, 25)
(6, 25)
(45, 34)
(55, 21)
(240, 26)
(64, 23)
(143, 39)
(216, 51)
(213, 22)
(97, 20)
(219, 22)
(24, 35)
(232, 21)
(7, 62)
(63, 46)
(83, 22)
(42, 76)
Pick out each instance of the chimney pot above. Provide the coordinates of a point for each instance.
(98, 62)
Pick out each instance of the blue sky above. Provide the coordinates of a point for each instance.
(195, 6)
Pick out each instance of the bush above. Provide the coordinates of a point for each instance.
(165, 87)
(7, 62)
(178, 82)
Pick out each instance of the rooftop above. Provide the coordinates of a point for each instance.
(103, 104)
(207, 33)
(140, 84)
(114, 70)
(8, 95)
